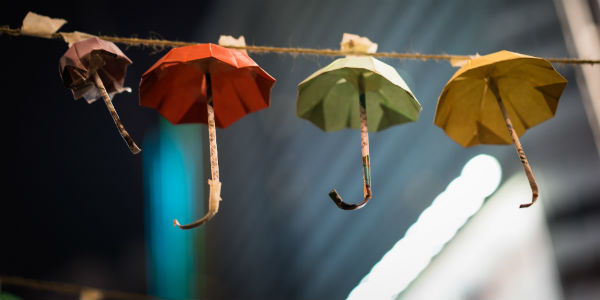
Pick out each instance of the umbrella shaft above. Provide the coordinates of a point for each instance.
(509, 125)
(364, 141)
(517, 142)
(212, 140)
(113, 112)
(364, 136)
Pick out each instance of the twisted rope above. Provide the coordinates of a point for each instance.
(66, 288)
(157, 43)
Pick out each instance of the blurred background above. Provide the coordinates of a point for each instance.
(79, 208)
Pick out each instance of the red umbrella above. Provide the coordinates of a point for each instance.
(210, 84)
(95, 68)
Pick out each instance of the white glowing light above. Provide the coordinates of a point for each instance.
(436, 225)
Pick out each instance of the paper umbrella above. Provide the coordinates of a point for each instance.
(210, 84)
(356, 92)
(494, 98)
(94, 68)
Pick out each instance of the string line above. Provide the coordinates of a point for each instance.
(158, 43)
(66, 288)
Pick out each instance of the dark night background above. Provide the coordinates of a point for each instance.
(73, 198)
(73, 207)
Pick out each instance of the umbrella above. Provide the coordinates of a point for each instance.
(496, 92)
(210, 84)
(356, 92)
(95, 68)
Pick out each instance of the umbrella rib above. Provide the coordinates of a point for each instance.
(400, 112)
(322, 103)
(246, 109)
(383, 115)
(306, 111)
(448, 89)
(519, 115)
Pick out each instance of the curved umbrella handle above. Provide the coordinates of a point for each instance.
(113, 112)
(364, 140)
(518, 147)
(337, 199)
(213, 206)
(214, 183)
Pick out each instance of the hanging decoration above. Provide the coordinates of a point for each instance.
(91, 67)
(94, 68)
(209, 84)
(494, 99)
(158, 44)
(218, 85)
(491, 99)
(357, 92)
(84, 292)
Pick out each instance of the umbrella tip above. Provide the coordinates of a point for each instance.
(535, 195)
(135, 149)
(335, 196)
(525, 205)
(333, 193)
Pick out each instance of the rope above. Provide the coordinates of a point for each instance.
(66, 288)
(157, 43)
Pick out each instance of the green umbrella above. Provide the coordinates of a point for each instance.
(356, 92)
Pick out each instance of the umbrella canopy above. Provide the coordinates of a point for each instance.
(467, 109)
(356, 92)
(176, 85)
(209, 84)
(329, 98)
(76, 68)
(496, 92)
(95, 68)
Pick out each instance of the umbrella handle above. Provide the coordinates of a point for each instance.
(214, 197)
(518, 147)
(113, 112)
(214, 183)
(337, 199)
(364, 140)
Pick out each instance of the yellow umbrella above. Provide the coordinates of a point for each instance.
(498, 91)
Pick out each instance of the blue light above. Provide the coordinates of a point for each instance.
(173, 184)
